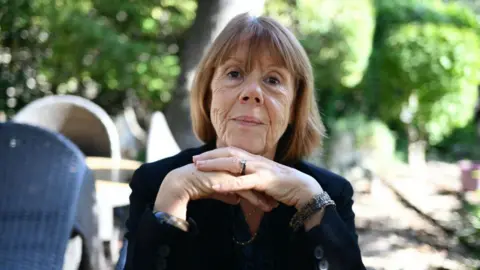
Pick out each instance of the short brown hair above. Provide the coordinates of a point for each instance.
(306, 131)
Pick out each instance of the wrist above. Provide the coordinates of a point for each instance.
(307, 196)
(166, 218)
(171, 200)
(311, 213)
(172, 207)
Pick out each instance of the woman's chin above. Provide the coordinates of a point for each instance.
(251, 145)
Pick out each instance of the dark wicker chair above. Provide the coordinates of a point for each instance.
(42, 177)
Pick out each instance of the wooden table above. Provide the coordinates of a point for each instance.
(96, 163)
(114, 170)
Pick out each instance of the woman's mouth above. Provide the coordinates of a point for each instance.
(247, 120)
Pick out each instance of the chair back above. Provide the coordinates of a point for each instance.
(83, 122)
(41, 176)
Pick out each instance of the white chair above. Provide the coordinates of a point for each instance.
(83, 122)
(160, 142)
(133, 138)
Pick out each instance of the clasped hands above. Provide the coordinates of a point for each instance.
(216, 174)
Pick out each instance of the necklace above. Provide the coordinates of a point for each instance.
(252, 238)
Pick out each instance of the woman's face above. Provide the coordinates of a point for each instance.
(251, 110)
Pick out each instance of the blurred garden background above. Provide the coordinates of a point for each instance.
(397, 83)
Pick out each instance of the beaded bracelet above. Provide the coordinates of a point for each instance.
(172, 220)
(316, 203)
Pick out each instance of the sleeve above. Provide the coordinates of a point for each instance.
(333, 244)
(149, 241)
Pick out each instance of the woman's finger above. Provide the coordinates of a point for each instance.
(230, 164)
(240, 183)
(216, 180)
(221, 152)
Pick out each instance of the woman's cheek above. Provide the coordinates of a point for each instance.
(224, 83)
(279, 114)
(219, 110)
(218, 115)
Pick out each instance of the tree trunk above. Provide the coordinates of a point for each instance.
(417, 148)
(211, 18)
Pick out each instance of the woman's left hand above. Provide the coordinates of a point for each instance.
(282, 183)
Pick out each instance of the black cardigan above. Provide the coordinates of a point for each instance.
(151, 245)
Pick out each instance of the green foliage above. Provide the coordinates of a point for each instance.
(472, 4)
(391, 13)
(338, 38)
(282, 10)
(424, 72)
(460, 144)
(471, 232)
(368, 134)
(436, 64)
(98, 49)
(376, 135)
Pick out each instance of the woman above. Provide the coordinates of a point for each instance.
(246, 200)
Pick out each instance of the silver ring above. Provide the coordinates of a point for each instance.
(243, 163)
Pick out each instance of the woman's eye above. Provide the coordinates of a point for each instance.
(272, 80)
(234, 74)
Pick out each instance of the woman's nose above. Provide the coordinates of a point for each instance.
(252, 93)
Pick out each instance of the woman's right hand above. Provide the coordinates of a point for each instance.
(187, 183)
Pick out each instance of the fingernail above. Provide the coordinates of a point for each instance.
(200, 162)
(216, 187)
(194, 158)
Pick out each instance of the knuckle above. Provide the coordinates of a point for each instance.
(232, 151)
(236, 161)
